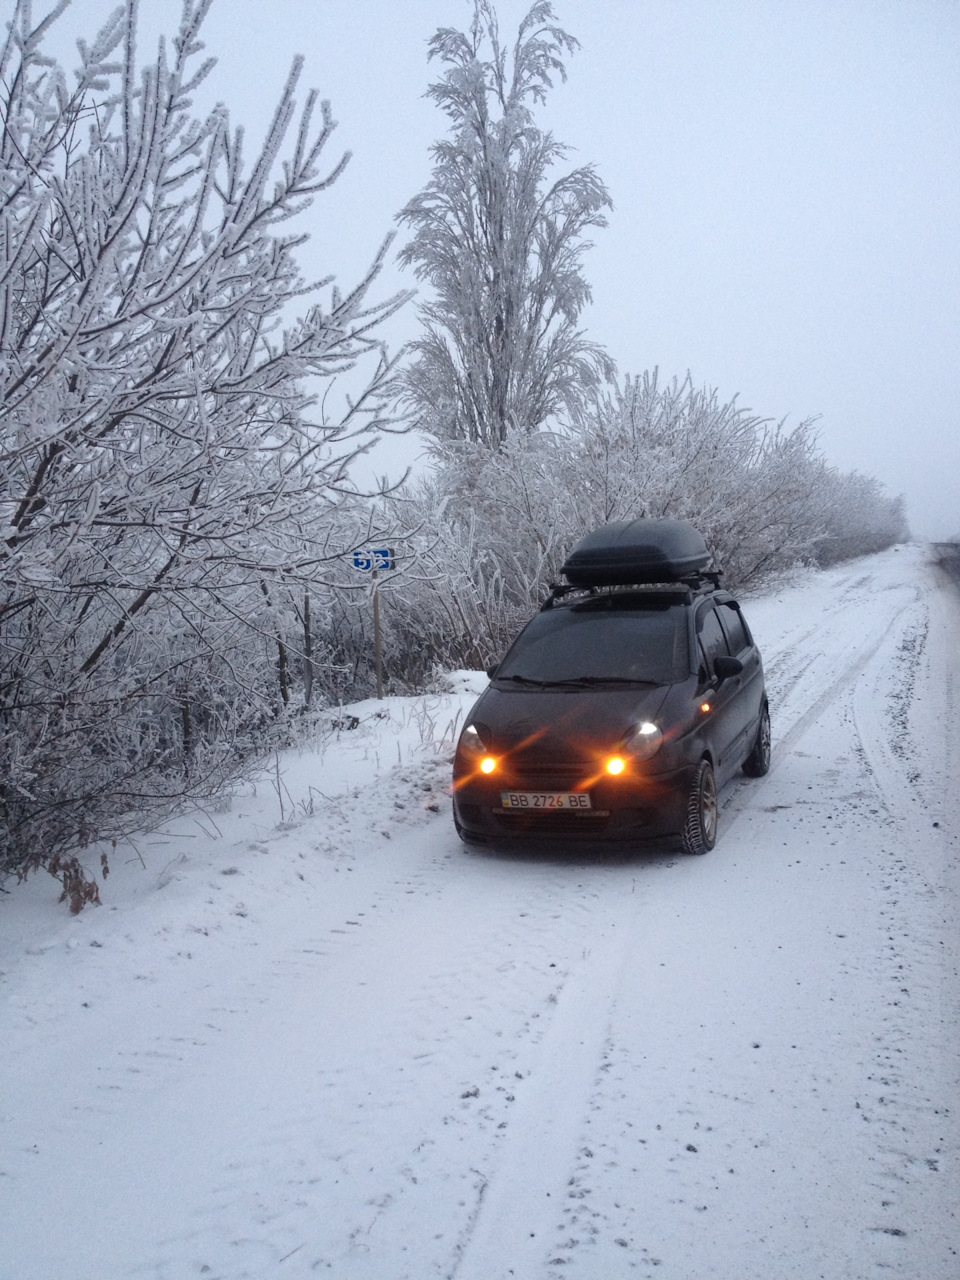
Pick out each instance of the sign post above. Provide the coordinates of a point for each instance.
(372, 562)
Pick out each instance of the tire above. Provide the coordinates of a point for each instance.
(699, 833)
(757, 762)
(466, 839)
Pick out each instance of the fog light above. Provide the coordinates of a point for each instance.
(487, 764)
(615, 765)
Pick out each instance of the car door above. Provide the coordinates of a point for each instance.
(722, 728)
(749, 684)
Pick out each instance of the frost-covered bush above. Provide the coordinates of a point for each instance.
(170, 493)
(752, 487)
(503, 520)
(859, 518)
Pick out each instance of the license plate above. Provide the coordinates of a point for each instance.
(545, 799)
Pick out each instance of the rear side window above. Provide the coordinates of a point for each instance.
(733, 625)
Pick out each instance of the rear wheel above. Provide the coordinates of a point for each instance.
(699, 833)
(757, 762)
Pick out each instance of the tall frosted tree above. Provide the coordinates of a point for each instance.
(499, 237)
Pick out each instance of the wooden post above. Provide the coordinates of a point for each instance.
(377, 646)
(307, 650)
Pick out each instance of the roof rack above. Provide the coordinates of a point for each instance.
(707, 580)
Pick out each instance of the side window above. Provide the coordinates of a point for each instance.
(733, 625)
(712, 641)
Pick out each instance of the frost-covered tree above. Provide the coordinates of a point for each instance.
(762, 495)
(859, 518)
(669, 448)
(169, 487)
(499, 238)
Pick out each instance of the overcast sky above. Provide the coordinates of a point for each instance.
(785, 177)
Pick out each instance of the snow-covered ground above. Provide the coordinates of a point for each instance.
(313, 1036)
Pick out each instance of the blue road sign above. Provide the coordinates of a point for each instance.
(377, 560)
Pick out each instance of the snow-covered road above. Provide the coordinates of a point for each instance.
(313, 1036)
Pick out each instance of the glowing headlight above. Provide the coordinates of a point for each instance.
(643, 740)
(488, 764)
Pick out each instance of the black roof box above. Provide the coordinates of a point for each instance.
(637, 551)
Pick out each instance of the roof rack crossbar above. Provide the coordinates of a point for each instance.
(706, 579)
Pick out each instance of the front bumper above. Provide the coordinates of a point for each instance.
(624, 809)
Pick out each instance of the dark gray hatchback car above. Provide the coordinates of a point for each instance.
(622, 707)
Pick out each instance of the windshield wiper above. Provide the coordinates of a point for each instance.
(577, 681)
(589, 680)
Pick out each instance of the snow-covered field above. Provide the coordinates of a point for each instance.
(314, 1036)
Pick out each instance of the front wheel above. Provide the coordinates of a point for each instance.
(757, 762)
(699, 833)
(467, 839)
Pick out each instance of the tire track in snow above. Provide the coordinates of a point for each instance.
(908, 1105)
(914, 1080)
(478, 979)
(803, 677)
(857, 654)
(521, 1200)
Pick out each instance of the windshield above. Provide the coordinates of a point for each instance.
(601, 641)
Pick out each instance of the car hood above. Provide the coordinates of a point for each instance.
(562, 724)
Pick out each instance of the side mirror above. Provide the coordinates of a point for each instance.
(492, 671)
(724, 667)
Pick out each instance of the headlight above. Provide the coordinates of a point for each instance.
(471, 741)
(643, 740)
